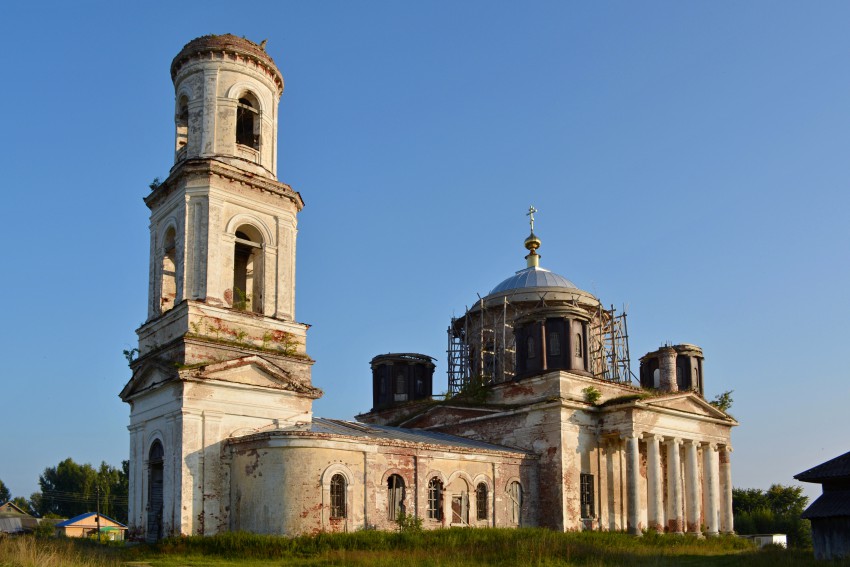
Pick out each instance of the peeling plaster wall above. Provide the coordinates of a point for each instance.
(280, 485)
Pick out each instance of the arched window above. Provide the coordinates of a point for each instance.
(435, 499)
(248, 270)
(395, 497)
(248, 121)
(529, 343)
(168, 289)
(338, 496)
(514, 502)
(554, 343)
(156, 456)
(579, 346)
(181, 122)
(481, 501)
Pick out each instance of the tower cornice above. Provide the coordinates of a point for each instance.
(211, 167)
(228, 44)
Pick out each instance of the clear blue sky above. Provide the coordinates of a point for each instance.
(689, 160)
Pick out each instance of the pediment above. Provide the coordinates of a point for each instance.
(147, 376)
(251, 371)
(688, 403)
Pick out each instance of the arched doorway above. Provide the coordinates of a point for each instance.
(154, 507)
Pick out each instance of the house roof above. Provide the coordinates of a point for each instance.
(829, 505)
(836, 468)
(81, 517)
(11, 507)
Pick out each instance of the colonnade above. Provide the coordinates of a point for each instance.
(688, 486)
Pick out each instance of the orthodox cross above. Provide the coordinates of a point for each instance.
(530, 215)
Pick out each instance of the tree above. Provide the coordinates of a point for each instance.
(70, 489)
(5, 495)
(776, 510)
(723, 401)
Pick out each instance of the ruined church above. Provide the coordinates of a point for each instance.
(543, 425)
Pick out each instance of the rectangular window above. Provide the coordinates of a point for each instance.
(587, 507)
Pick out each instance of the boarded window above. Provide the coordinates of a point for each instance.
(338, 496)
(588, 509)
(514, 502)
(395, 497)
(481, 501)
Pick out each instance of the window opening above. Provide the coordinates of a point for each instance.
(168, 290)
(554, 343)
(588, 509)
(247, 123)
(515, 501)
(155, 491)
(395, 497)
(400, 388)
(481, 501)
(435, 496)
(248, 270)
(460, 509)
(182, 123)
(579, 346)
(338, 496)
(529, 342)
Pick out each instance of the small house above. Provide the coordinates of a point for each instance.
(88, 524)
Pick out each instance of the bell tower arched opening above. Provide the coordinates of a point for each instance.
(168, 289)
(181, 126)
(248, 270)
(248, 124)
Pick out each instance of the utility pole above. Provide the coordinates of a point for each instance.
(97, 486)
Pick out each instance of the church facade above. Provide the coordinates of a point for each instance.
(544, 426)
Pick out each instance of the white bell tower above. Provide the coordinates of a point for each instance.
(220, 354)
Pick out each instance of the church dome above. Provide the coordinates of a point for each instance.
(534, 276)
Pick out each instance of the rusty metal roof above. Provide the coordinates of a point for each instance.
(385, 432)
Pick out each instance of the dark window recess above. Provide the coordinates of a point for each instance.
(246, 117)
(529, 342)
(481, 501)
(579, 346)
(587, 507)
(338, 496)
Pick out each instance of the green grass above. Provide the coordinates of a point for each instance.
(440, 548)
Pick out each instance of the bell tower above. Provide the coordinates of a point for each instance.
(220, 354)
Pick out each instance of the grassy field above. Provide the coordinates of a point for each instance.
(449, 548)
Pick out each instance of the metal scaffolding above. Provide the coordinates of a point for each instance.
(481, 345)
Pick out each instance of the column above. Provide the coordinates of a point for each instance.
(692, 487)
(675, 522)
(712, 488)
(727, 522)
(633, 483)
(667, 370)
(655, 498)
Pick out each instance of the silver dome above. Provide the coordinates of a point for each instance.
(532, 277)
